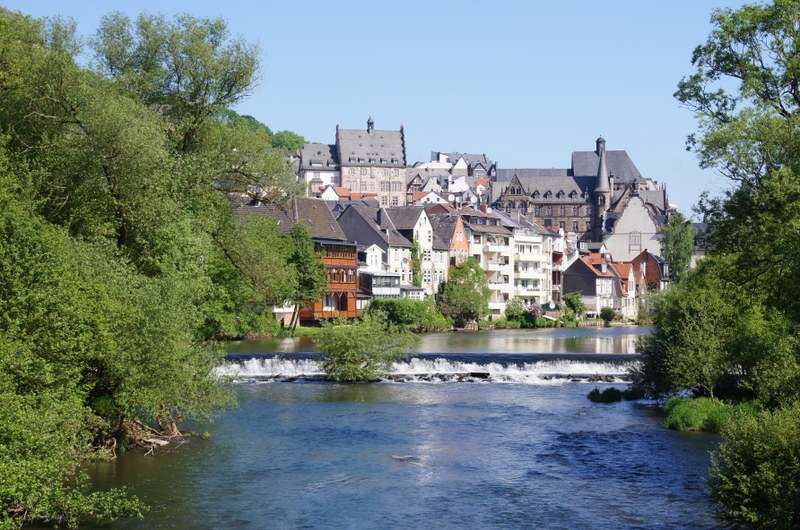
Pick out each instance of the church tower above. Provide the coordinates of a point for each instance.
(602, 191)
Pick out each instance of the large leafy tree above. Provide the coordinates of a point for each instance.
(677, 244)
(311, 272)
(745, 95)
(464, 297)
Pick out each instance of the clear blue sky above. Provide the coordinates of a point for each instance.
(525, 82)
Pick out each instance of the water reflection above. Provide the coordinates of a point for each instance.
(556, 340)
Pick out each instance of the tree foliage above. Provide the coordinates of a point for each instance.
(734, 321)
(362, 350)
(677, 244)
(574, 301)
(415, 315)
(119, 253)
(464, 297)
(755, 473)
(288, 141)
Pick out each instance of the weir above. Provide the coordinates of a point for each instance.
(517, 368)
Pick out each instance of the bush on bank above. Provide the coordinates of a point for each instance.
(755, 472)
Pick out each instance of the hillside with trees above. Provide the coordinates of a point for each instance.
(120, 255)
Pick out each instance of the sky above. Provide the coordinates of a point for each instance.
(524, 82)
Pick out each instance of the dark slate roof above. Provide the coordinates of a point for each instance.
(470, 159)
(531, 182)
(319, 157)
(438, 243)
(312, 213)
(444, 226)
(657, 198)
(358, 147)
(619, 164)
(507, 174)
(405, 217)
(380, 224)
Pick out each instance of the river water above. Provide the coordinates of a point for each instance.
(484, 430)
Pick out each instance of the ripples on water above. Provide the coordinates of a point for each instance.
(409, 455)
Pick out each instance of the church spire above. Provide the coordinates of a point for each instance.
(603, 185)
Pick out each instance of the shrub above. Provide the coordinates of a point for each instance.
(362, 350)
(608, 314)
(704, 414)
(755, 472)
(609, 395)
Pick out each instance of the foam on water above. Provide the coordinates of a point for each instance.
(436, 370)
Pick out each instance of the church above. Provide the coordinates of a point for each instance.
(602, 197)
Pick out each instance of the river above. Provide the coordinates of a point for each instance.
(515, 444)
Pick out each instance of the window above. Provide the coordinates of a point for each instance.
(635, 240)
(548, 222)
(385, 172)
(384, 202)
(562, 210)
(574, 226)
(351, 171)
(576, 210)
(560, 195)
(395, 172)
(547, 195)
(562, 225)
(363, 171)
(588, 226)
(396, 186)
(548, 210)
(395, 201)
(535, 195)
(537, 211)
(386, 185)
(426, 255)
(372, 185)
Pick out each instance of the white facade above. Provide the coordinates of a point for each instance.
(531, 270)
(496, 253)
(634, 231)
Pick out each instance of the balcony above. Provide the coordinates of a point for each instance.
(496, 286)
(529, 274)
(497, 306)
(495, 247)
(528, 256)
(496, 265)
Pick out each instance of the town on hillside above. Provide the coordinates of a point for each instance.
(538, 233)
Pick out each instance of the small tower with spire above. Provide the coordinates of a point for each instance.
(602, 191)
(370, 125)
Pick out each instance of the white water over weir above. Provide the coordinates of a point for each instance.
(549, 371)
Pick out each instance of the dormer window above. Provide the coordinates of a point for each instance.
(394, 161)
(560, 195)
(572, 194)
(535, 195)
(548, 194)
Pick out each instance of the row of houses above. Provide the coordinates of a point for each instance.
(373, 251)
(601, 197)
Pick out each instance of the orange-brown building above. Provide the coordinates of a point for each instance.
(340, 255)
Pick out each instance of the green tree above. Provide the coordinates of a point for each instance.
(744, 95)
(574, 301)
(416, 264)
(312, 274)
(288, 141)
(189, 67)
(362, 350)
(464, 297)
(677, 244)
(755, 472)
(608, 314)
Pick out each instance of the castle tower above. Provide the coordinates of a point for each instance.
(602, 191)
